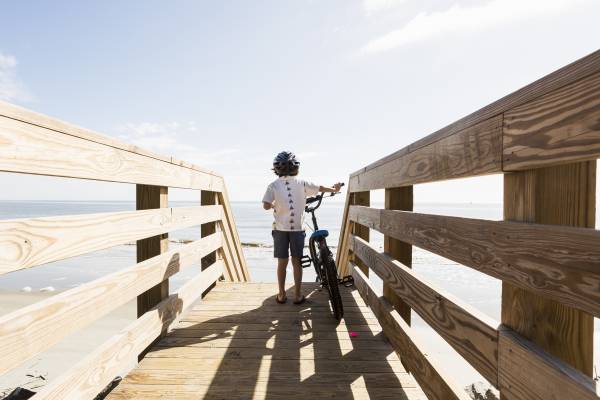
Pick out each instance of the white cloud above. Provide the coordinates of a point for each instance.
(466, 19)
(173, 138)
(11, 89)
(375, 6)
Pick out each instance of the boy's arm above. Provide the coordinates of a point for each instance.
(268, 198)
(334, 189)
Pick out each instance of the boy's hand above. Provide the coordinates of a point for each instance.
(337, 187)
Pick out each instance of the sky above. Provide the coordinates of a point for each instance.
(228, 84)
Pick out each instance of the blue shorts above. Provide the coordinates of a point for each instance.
(286, 242)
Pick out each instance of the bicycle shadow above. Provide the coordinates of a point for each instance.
(256, 348)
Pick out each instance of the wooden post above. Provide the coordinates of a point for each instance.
(208, 198)
(561, 195)
(148, 197)
(400, 198)
(360, 199)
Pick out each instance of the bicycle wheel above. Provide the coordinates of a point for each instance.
(332, 284)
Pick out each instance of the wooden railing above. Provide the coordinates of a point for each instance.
(545, 139)
(31, 143)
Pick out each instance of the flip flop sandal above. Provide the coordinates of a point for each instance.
(281, 301)
(301, 301)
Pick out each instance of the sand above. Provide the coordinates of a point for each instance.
(35, 372)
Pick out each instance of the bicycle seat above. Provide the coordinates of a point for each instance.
(320, 233)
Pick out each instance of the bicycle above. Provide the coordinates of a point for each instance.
(322, 258)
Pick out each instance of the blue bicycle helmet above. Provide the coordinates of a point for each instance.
(286, 164)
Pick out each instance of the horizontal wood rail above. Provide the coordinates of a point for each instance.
(430, 376)
(31, 143)
(472, 334)
(34, 144)
(545, 139)
(28, 331)
(560, 262)
(87, 378)
(566, 99)
(30, 242)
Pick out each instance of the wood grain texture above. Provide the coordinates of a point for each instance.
(228, 365)
(469, 332)
(559, 127)
(400, 198)
(25, 243)
(31, 330)
(232, 236)
(557, 262)
(474, 151)
(292, 392)
(342, 250)
(362, 231)
(228, 356)
(426, 371)
(249, 379)
(567, 75)
(31, 149)
(31, 117)
(528, 372)
(152, 197)
(229, 257)
(292, 343)
(88, 377)
(207, 199)
(560, 195)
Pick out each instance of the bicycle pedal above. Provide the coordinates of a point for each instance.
(306, 261)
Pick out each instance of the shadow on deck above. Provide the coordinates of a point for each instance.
(238, 343)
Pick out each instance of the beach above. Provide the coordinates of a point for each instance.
(36, 372)
(22, 288)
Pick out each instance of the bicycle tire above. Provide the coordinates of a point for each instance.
(332, 284)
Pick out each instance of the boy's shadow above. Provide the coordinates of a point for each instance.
(269, 351)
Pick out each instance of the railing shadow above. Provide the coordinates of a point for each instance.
(273, 351)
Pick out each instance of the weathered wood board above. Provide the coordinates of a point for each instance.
(26, 243)
(472, 334)
(559, 262)
(312, 357)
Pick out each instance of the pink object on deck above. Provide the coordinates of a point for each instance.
(353, 334)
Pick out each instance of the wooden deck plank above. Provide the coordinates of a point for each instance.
(228, 347)
(189, 392)
(266, 364)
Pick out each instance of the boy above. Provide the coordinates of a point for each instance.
(287, 197)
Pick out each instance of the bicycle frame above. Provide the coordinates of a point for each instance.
(314, 245)
(317, 242)
(322, 259)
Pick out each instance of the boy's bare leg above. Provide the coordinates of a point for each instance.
(297, 277)
(281, 272)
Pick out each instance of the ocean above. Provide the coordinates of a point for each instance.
(254, 227)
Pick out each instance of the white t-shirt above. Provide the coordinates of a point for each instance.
(288, 196)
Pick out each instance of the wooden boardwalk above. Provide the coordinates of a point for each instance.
(237, 343)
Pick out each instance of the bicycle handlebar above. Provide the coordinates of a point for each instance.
(318, 198)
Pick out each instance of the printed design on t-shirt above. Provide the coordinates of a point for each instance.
(289, 214)
(289, 189)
